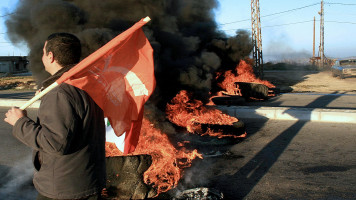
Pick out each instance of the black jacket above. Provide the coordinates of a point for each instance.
(68, 141)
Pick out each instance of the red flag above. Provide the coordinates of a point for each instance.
(120, 78)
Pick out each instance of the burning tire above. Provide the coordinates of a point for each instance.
(125, 177)
(253, 90)
(228, 100)
(234, 130)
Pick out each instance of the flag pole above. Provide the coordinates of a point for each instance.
(147, 19)
(53, 85)
(38, 96)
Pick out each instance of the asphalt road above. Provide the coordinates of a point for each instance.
(278, 160)
(309, 100)
(16, 168)
(282, 160)
(17, 94)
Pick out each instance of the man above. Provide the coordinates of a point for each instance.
(68, 137)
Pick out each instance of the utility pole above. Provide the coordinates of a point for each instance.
(321, 47)
(256, 37)
(314, 39)
(314, 59)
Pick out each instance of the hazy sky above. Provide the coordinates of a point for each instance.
(6, 48)
(287, 28)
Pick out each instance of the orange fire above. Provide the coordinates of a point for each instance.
(242, 73)
(167, 161)
(186, 112)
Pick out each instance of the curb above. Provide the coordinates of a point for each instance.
(256, 112)
(290, 113)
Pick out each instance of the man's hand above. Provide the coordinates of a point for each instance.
(14, 114)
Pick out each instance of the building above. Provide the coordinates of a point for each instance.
(13, 64)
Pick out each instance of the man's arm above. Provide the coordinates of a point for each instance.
(57, 119)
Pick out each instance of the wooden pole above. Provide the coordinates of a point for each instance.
(147, 19)
(314, 39)
(38, 96)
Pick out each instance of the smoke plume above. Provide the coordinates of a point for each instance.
(16, 182)
(188, 47)
(279, 51)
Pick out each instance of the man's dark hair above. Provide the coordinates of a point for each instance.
(66, 48)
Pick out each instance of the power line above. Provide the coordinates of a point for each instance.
(288, 24)
(344, 4)
(341, 22)
(236, 21)
(290, 10)
(338, 13)
(273, 13)
(7, 14)
(292, 23)
(275, 25)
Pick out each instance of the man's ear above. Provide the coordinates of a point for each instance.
(50, 56)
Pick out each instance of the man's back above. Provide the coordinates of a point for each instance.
(69, 136)
(69, 144)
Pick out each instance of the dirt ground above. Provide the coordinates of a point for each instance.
(17, 83)
(310, 81)
(285, 80)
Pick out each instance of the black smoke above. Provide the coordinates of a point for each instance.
(188, 47)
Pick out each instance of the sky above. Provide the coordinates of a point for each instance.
(287, 27)
(6, 48)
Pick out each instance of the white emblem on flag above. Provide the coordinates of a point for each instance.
(114, 94)
(134, 81)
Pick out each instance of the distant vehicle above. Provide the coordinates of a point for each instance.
(343, 68)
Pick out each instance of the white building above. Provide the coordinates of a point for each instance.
(13, 64)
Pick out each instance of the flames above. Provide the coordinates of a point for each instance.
(192, 114)
(167, 161)
(242, 73)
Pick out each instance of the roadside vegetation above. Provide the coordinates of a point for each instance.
(17, 82)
